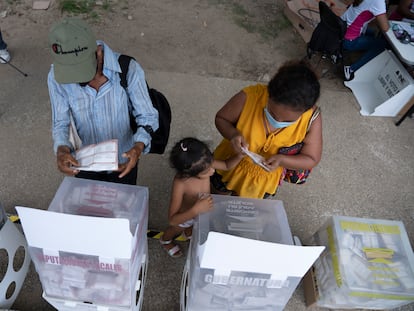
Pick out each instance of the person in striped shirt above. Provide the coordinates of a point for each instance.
(84, 84)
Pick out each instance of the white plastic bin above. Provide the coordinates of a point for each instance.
(235, 260)
(368, 264)
(73, 305)
(89, 245)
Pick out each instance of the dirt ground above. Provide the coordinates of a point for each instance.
(244, 39)
(235, 39)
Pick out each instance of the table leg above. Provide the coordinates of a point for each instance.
(407, 110)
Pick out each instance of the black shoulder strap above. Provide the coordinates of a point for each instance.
(124, 61)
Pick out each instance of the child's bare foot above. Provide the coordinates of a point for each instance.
(171, 248)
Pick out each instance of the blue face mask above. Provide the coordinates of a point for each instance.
(275, 123)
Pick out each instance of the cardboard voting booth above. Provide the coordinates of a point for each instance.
(304, 14)
(382, 86)
(368, 264)
(242, 257)
(90, 248)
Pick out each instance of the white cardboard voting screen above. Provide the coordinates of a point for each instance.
(104, 237)
(382, 86)
(238, 254)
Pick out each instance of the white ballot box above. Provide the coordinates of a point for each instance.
(242, 257)
(62, 304)
(368, 264)
(90, 247)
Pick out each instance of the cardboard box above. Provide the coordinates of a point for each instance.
(382, 86)
(242, 255)
(73, 305)
(88, 246)
(304, 14)
(368, 264)
(310, 287)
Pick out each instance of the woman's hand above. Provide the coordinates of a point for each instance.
(237, 142)
(65, 161)
(273, 162)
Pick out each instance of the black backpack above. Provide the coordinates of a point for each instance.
(160, 136)
(328, 35)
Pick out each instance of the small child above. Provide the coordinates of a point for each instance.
(190, 195)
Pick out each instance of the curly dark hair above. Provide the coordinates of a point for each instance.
(190, 157)
(295, 85)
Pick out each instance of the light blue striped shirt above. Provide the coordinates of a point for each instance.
(103, 115)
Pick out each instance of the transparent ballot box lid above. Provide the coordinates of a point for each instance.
(87, 197)
(263, 220)
(242, 257)
(369, 263)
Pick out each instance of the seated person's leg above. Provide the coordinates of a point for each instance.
(372, 46)
(377, 47)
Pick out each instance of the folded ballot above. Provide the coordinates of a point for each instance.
(98, 157)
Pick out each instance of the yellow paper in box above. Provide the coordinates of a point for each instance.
(374, 253)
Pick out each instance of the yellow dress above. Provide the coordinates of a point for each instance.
(248, 179)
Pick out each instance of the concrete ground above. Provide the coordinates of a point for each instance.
(367, 169)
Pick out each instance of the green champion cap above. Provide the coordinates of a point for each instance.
(73, 47)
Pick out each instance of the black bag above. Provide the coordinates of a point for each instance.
(328, 35)
(160, 136)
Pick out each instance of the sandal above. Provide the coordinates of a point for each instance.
(187, 234)
(174, 251)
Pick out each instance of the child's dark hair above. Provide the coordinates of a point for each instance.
(190, 157)
(295, 85)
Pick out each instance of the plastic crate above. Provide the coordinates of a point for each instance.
(368, 264)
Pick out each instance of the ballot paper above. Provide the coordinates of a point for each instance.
(257, 158)
(98, 157)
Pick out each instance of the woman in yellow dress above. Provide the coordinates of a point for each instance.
(267, 120)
